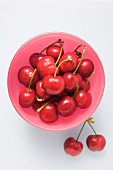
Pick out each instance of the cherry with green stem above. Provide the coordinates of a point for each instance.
(77, 88)
(25, 74)
(60, 53)
(54, 85)
(67, 106)
(88, 80)
(27, 95)
(39, 109)
(58, 41)
(80, 60)
(73, 79)
(35, 57)
(86, 68)
(32, 79)
(48, 112)
(41, 94)
(66, 60)
(95, 142)
(74, 147)
(83, 98)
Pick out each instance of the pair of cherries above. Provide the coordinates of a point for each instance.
(56, 83)
(94, 142)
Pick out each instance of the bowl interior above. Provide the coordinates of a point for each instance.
(21, 59)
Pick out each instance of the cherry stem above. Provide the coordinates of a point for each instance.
(92, 128)
(38, 99)
(31, 79)
(90, 120)
(77, 48)
(38, 110)
(59, 54)
(80, 60)
(80, 131)
(58, 41)
(88, 80)
(77, 87)
(68, 59)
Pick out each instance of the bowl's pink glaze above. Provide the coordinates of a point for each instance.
(21, 58)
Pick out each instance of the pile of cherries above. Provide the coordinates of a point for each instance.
(56, 82)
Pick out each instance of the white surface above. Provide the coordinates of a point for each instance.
(22, 146)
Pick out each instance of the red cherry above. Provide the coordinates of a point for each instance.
(40, 91)
(53, 85)
(34, 58)
(70, 65)
(46, 66)
(48, 113)
(26, 97)
(96, 142)
(71, 80)
(83, 99)
(25, 74)
(60, 96)
(86, 68)
(66, 106)
(83, 85)
(54, 51)
(73, 147)
(36, 105)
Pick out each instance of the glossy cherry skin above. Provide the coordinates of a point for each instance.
(83, 99)
(26, 98)
(54, 51)
(25, 74)
(49, 113)
(66, 106)
(71, 80)
(68, 66)
(83, 84)
(46, 66)
(40, 91)
(96, 143)
(53, 85)
(86, 68)
(34, 58)
(73, 147)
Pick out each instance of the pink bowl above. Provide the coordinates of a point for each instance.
(21, 58)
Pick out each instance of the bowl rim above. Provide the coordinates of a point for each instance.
(71, 126)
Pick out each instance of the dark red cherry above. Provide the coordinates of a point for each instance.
(60, 96)
(36, 105)
(40, 91)
(71, 80)
(68, 66)
(66, 106)
(72, 147)
(83, 99)
(86, 68)
(85, 85)
(53, 85)
(54, 51)
(46, 66)
(26, 97)
(48, 113)
(96, 142)
(34, 58)
(25, 74)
